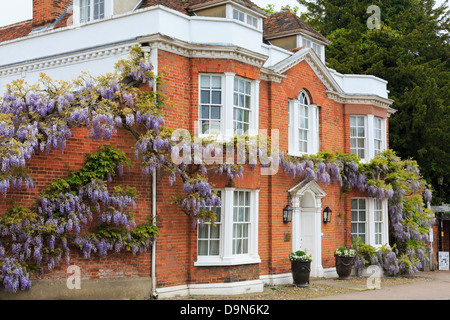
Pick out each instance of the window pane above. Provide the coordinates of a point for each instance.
(214, 127)
(361, 154)
(205, 97)
(215, 112)
(236, 99)
(361, 121)
(360, 143)
(235, 14)
(241, 100)
(204, 81)
(246, 87)
(246, 116)
(205, 126)
(360, 132)
(245, 128)
(216, 97)
(216, 82)
(202, 248)
(214, 249)
(247, 102)
(362, 216)
(362, 203)
(241, 86)
(205, 112)
(203, 231)
(247, 214)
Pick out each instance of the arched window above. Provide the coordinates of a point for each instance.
(303, 125)
(303, 122)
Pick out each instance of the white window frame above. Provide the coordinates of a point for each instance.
(227, 112)
(208, 226)
(370, 136)
(200, 104)
(357, 138)
(382, 132)
(244, 17)
(370, 221)
(318, 48)
(109, 9)
(313, 142)
(237, 94)
(226, 256)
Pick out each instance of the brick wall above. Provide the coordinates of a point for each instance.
(177, 245)
(46, 168)
(176, 248)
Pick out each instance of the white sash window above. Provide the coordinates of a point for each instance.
(303, 126)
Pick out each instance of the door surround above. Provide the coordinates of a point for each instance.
(311, 190)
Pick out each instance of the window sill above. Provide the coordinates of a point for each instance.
(230, 261)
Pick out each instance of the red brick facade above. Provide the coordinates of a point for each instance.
(176, 247)
(178, 241)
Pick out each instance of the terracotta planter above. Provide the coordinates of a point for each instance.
(344, 267)
(300, 273)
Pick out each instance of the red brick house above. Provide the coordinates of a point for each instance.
(230, 67)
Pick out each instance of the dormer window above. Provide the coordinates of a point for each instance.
(245, 17)
(91, 10)
(311, 44)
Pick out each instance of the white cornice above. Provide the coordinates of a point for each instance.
(66, 59)
(270, 75)
(362, 99)
(209, 51)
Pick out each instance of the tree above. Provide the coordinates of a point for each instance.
(410, 51)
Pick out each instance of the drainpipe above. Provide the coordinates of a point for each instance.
(154, 294)
(153, 56)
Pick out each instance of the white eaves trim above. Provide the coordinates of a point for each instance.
(308, 55)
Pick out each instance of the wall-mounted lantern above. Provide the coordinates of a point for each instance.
(327, 215)
(287, 212)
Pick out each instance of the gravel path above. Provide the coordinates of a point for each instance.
(318, 288)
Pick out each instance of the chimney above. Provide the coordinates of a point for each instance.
(47, 11)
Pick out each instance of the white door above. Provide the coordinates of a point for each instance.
(306, 224)
(307, 230)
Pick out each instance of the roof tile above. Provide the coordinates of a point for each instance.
(287, 22)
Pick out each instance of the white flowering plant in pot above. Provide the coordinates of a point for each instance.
(344, 252)
(300, 256)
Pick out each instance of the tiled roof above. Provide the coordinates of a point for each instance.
(15, 31)
(286, 22)
(185, 6)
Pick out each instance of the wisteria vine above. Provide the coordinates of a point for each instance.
(40, 119)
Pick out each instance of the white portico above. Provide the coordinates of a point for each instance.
(307, 222)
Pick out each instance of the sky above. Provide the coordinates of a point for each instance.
(12, 11)
(15, 11)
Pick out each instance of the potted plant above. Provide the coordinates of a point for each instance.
(344, 262)
(301, 267)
